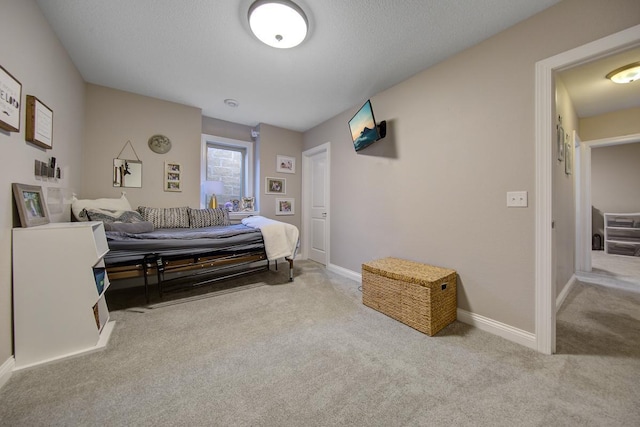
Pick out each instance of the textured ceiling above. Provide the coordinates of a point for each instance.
(200, 52)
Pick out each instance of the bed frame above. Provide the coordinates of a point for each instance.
(178, 273)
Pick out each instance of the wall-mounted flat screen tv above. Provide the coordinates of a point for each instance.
(363, 127)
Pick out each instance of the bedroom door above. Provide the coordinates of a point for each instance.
(316, 203)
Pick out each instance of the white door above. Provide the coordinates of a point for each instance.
(317, 204)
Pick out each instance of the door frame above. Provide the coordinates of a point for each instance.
(545, 289)
(584, 217)
(306, 211)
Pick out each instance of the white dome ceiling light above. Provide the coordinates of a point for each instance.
(278, 23)
(626, 74)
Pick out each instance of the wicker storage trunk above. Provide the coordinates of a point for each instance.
(419, 295)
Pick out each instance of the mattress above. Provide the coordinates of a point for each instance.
(127, 248)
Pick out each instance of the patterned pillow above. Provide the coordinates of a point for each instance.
(166, 217)
(208, 217)
(105, 215)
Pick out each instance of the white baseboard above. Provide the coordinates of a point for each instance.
(6, 369)
(565, 291)
(503, 330)
(349, 274)
(510, 333)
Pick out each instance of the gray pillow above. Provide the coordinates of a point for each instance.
(129, 227)
(105, 216)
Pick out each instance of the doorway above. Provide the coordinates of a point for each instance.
(316, 165)
(545, 289)
(607, 270)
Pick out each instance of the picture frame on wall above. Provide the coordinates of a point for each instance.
(32, 208)
(568, 153)
(285, 206)
(285, 164)
(39, 123)
(172, 176)
(560, 142)
(10, 101)
(275, 185)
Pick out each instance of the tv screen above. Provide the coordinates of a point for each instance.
(363, 127)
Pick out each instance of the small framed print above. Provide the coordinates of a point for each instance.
(11, 91)
(568, 157)
(285, 206)
(285, 164)
(31, 205)
(560, 141)
(275, 185)
(172, 176)
(39, 123)
(248, 204)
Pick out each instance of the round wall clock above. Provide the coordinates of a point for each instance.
(159, 144)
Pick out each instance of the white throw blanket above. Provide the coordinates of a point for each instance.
(280, 238)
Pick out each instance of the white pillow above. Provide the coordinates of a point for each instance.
(77, 206)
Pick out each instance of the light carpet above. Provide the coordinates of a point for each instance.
(308, 353)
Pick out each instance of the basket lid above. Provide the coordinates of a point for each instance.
(407, 271)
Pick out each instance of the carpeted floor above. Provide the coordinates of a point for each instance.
(309, 353)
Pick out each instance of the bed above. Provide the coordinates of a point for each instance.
(178, 248)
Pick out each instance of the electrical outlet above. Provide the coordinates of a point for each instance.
(517, 199)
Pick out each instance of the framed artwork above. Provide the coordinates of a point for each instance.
(560, 142)
(172, 176)
(285, 206)
(285, 164)
(32, 208)
(275, 185)
(39, 123)
(248, 204)
(568, 157)
(10, 100)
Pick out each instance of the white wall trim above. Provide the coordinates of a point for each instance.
(349, 274)
(503, 330)
(6, 369)
(545, 321)
(565, 291)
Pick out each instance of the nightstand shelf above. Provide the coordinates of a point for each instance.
(59, 283)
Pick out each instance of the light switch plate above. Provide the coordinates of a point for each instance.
(517, 199)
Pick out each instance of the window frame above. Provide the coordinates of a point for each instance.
(231, 143)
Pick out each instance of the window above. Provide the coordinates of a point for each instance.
(228, 162)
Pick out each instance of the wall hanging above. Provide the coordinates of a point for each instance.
(285, 164)
(172, 176)
(159, 144)
(275, 185)
(285, 207)
(39, 123)
(10, 101)
(127, 172)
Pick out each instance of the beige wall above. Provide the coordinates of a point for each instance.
(32, 54)
(617, 123)
(114, 117)
(275, 141)
(435, 189)
(564, 210)
(211, 126)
